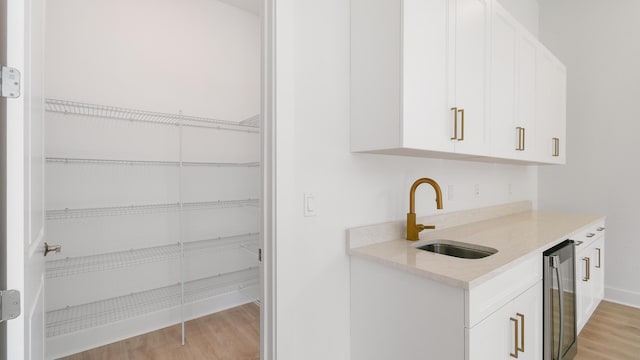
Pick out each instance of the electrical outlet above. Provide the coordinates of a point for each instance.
(309, 205)
(450, 193)
(510, 189)
(476, 190)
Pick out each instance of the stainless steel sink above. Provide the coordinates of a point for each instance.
(457, 249)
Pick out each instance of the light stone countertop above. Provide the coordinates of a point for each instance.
(515, 236)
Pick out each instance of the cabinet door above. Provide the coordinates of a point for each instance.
(426, 118)
(597, 271)
(526, 95)
(527, 310)
(513, 330)
(513, 85)
(589, 280)
(550, 107)
(584, 283)
(490, 338)
(581, 286)
(505, 139)
(470, 79)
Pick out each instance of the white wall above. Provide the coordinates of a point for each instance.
(198, 56)
(527, 12)
(312, 130)
(598, 42)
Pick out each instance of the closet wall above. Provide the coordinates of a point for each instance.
(152, 145)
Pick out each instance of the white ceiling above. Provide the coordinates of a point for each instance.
(252, 6)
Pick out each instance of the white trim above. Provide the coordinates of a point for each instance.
(16, 345)
(268, 265)
(624, 297)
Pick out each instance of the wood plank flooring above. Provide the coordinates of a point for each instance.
(612, 333)
(233, 334)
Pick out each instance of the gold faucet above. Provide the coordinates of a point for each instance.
(414, 229)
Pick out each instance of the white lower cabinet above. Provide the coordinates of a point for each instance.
(398, 315)
(513, 331)
(589, 277)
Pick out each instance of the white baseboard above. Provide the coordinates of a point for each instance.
(624, 297)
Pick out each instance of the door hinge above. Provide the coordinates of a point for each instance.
(9, 304)
(260, 255)
(9, 82)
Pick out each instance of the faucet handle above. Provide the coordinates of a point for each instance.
(422, 227)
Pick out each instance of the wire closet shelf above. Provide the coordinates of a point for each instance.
(116, 113)
(86, 161)
(120, 259)
(146, 209)
(75, 318)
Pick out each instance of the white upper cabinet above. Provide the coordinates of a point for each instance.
(527, 97)
(551, 86)
(470, 72)
(513, 88)
(453, 79)
(423, 119)
(419, 77)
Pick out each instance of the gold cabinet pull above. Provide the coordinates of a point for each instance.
(587, 263)
(461, 111)
(599, 260)
(556, 147)
(455, 123)
(521, 316)
(601, 228)
(521, 137)
(590, 235)
(514, 354)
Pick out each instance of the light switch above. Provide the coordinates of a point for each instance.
(309, 204)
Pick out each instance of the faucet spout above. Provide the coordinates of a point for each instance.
(414, 229)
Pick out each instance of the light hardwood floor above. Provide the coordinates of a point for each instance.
(612, 333)
(233, 334)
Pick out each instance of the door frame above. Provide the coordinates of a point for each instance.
(268, 315)
(3, 181)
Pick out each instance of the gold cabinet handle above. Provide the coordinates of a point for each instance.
(601, 228)
(461, 111)
(599, 259)
(521, 316)
(556, 147)
(514, 354)
(521, 137)
(587, 263)
(590, 235)
(455, 123)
